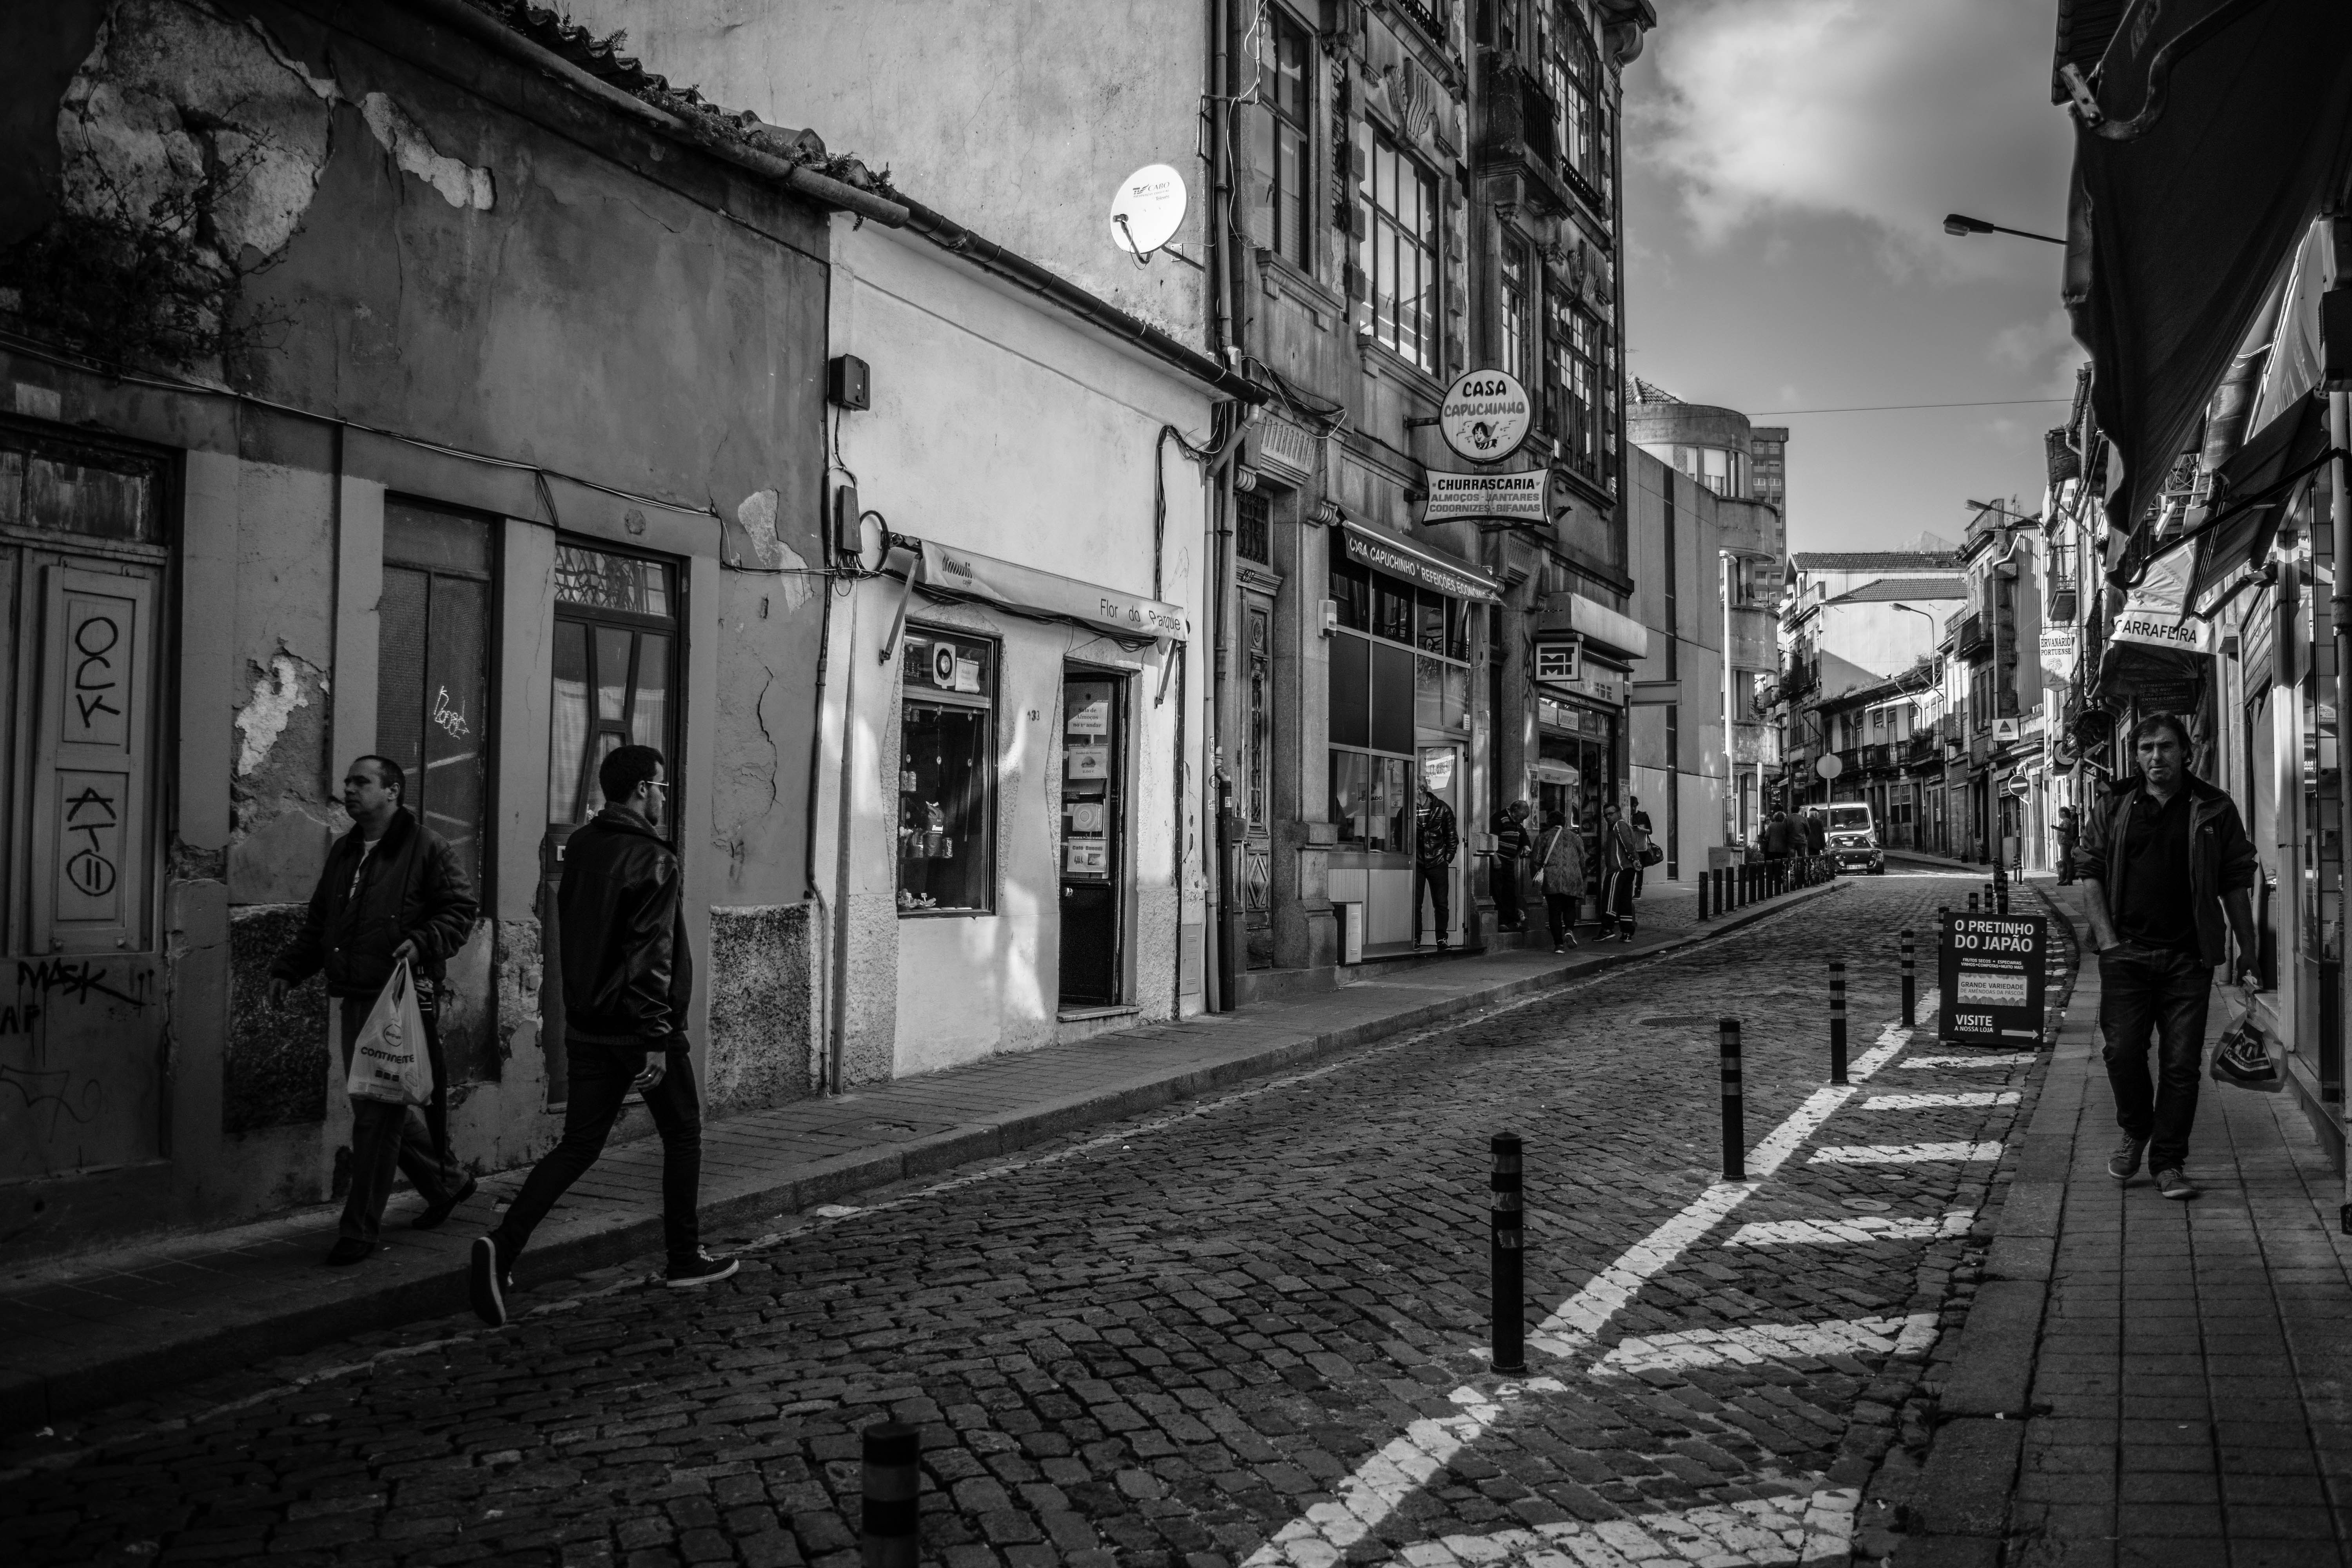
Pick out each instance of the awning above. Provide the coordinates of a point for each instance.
(1609, 634)
(2287, 443)
(1416, 562)
(2220, 123)
(967, 575)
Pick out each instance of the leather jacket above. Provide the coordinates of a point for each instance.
(627, 976)
(2222, 859)
(411, 889)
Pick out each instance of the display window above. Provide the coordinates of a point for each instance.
(947, 797)
(1399, 665)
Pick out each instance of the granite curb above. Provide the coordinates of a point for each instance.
(1964, 1488)
(139, 1361)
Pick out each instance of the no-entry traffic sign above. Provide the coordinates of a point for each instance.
(1990, 970)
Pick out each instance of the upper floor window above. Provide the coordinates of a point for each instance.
(1571, 390)
(1398, 253)
(1513, 347)
(1283, 149)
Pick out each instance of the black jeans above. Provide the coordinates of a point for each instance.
(2143, 993)
(1433, 877)
(600, 1076)
(388, 1137)
(1561, 910)
(1505, 881)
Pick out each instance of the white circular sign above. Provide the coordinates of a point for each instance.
(1148, 210)
(1830, 765)
(1485, 417)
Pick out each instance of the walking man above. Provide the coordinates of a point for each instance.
(392, 890)
(1435, 844)
(1641, 821)
(1511, 846)
(1817, 834)
(627, 981)
(2069, 834)
(2166, 862)
(1621, 860)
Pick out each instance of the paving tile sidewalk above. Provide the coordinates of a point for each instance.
(87, 1331)
(2146, 1382)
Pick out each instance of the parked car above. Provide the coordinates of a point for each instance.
(1854, 838)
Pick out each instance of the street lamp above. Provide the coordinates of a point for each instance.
(1962, 225)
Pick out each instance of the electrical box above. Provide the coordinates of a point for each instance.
(846, 544)
(846, 383)
(2336, 338)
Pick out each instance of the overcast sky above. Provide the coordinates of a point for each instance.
(1787, 167)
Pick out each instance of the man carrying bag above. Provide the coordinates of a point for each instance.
(393, 905)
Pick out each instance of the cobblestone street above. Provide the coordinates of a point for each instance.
(1248, 1330)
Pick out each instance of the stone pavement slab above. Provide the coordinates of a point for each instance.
(97, 1328)
(2141, 1381)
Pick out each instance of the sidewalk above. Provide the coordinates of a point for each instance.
(88, 1331)
(2138, 1381)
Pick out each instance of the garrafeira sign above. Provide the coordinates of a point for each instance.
(1485, 417)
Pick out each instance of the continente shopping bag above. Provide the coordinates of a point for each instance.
(388, 1062)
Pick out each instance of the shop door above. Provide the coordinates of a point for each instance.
(82, 1025)
(1441, 774)
(1255, 755)
(1094, 791)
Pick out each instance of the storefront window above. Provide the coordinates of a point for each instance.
(946, 773)
(1409, 674)
(616, 674)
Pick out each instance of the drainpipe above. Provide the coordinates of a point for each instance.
(2339, 518)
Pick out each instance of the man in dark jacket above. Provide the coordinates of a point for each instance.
(1512, 844)
(392, 890)
(2166, 862)
(1435, 845)
(628, 979)
(1641, 821)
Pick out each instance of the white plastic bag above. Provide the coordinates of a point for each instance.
(388, 1060)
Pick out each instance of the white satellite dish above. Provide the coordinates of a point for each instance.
(1148, 210)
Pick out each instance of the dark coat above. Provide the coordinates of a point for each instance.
(1434, 838)
(1782, 837)
(1512, 839)
(1817, 833)
(412, 889)
(628, 978)
(2222, 859)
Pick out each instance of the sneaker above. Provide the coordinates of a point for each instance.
(435, 1213)
(488, 1280)
(2175, 1184)
(346, 1252)
(701, 1269)
(2124, 1163)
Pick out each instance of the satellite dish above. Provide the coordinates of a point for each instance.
(1148, 210)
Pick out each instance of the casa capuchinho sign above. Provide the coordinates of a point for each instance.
(1485, 417)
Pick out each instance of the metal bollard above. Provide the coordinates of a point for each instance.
(1702, 896)
(1837, 1020)
(1735, 1138)
(1910, 986)
(1972, 903)
(892, 1480)
(1508, 1274)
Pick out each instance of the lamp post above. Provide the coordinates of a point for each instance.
(1960, 224)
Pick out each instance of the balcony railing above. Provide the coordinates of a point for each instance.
(1975, 638)
(1521, 127)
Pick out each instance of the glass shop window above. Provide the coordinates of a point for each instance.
(432, 670)
(615, 672)
(947, 772)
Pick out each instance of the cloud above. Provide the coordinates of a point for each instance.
(2043, 348)
(1891, 112)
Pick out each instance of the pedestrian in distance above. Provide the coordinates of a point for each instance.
(2069, 834)
(2167, 861)
(1620, 857)
(1817, 834)
(1435, 842)
(1641, 821)
(1512, 844)
(392, 890)
(1559, 873)
(628, 979)
(1782, 838)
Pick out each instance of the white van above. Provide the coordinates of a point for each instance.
(1854, 837)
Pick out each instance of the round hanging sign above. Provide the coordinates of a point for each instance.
(1829, 765)
(1485, 417)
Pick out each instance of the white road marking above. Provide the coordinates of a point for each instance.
(1904, 1153)
(1363, 1500)
(1772, 1341)
(1846, 1229)
(1761, 1533)
(1939, 1101)
(2011, 1060)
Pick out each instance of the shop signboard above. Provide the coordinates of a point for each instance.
(1386, 552)
(1516, 497)
(1559, 661)
(963, 572)
(2157, 611)
(1991, 974)
(1485, 417)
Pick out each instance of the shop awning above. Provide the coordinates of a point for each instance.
(2220, 126)
(1611, 636)
(1416, 562)
(964, 574)
(2286, 444)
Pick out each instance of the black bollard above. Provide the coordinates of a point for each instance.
(1735, 1138)
(1837, 1020)
(1702, 896)
(893, 1452)
(1972, 903)
(1910, 986)
(1508, 1273)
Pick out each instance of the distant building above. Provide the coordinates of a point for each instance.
(1851, 622)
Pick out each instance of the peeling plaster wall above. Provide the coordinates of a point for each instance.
(284, 811)
(759, 1008)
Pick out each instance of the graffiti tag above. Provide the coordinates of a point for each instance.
(92, 815)
(95, 638)
(451, 718)
(47, 1091)
(80, 979)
